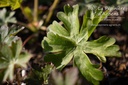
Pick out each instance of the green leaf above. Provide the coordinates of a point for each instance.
(14, 4)
(90, 23)
(67, 42)
(63, 57)
(58, 43)
(3, 32)
(102, 47)
(5, 52)
(56, 28)
(70, 19)
(46, 71)
(6, 17)
(42, 74)
(16, 48)
(62, 46)
(11, 56)
(7, 35)
(9, 72)
(10, 52)
(87, 68)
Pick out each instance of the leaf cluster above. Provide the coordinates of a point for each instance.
(70, 42)
(11, 55)
(39, 74)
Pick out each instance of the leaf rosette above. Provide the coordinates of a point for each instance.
(70, 41)
(11, 54)
(11, 57)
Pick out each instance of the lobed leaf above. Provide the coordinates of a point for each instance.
(90, 22)
(5, 52)
(56, 28)
(70, 41)
(70, 20)
(16, 48)
(57, 44)
(102, 47)
(7, 35)
(87, 68)
(10, 56)
(6, 17)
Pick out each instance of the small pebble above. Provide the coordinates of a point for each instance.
(23, 73)
(23, 84)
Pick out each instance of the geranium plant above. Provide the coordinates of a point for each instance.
(11, 54)
(70, 42)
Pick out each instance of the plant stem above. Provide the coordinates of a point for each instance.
(51, 9)
(29, 26)
(30, 37)
(23, 24)
(22, 9)
(17, 77)
(35, 10)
